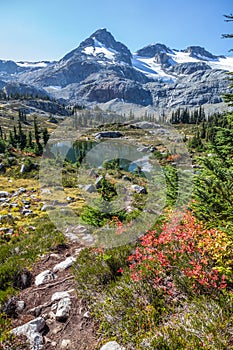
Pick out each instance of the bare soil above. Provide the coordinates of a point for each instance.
(79, 328)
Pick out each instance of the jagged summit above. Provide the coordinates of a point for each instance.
(102, 44)
(150, 51)
(200, 53)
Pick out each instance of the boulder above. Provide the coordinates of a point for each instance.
(4, 194)
(23, 168)
(45, 191)
(138, 189)
(108, 134)
(47, 207)
(20, 305)
(59, 295)
(19, 191)
(66, 344)
(98, 182)
(112, 345)
(44, 277)
(32, 331)
(126, 178)
(63, 265)
(89, 188)
(63, 309)
(26, 212)
(93, 173)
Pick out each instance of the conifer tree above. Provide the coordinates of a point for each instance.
(29, 140)
(22, 138)
(38, 148)
(229, 96)
(213, 187)
(45, 135)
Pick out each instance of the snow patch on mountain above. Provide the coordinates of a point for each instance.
(42, 64)
(150, 68)
(222, 63)
(100, 49)
(57, 87)
(156, 71)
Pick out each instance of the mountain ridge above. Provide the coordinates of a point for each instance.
(102, 69)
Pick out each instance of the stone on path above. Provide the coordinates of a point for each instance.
(112, 345)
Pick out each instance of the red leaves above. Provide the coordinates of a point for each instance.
(183, 249)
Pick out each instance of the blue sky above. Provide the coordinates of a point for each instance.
(48, 29)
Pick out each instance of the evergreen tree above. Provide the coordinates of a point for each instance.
(45, 135)
(38, 148)
(22, 138)
(15, 135)
(203, 130)
(29, 140)
(229, 97)
(11, 139)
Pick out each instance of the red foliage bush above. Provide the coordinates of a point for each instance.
(184, 254)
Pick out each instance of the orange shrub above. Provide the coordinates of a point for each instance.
(184, 254)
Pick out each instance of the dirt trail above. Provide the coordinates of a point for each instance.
(78, 331)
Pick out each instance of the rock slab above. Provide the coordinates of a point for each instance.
(32, 331)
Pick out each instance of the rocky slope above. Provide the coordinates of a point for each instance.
(101, 69)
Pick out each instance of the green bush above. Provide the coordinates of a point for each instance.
(124, 310)
(200, 324)
(95, 269)
(21, 251)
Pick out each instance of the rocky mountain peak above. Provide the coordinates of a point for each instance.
(199, 53)
(152, 50)
(102, 43)
(105, 37)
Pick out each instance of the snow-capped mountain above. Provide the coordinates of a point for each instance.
(11, 67)
(161, 63)
(33, 65)
(102, 69)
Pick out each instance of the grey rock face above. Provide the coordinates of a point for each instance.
(8, 66)
(48, 106)
(152, 50)
(163, 59)
(2, 84)
(14, 88)
(189, 68)
(108, 89)
(198, 88)
(197, 52)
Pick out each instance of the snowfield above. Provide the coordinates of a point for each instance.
(155, 71)
(98, 49)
